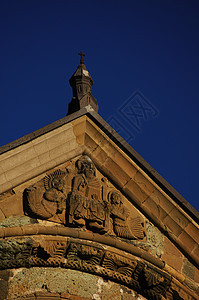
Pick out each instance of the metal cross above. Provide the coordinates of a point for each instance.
(81, 54)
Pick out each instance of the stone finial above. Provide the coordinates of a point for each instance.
(81, 83)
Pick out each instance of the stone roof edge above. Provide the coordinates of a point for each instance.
(146, 167)
(35, 134)
(119, 141)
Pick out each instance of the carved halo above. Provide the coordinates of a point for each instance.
(82, 160)
(114, 192)
(48, 180)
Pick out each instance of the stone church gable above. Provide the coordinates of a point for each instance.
(83, 216)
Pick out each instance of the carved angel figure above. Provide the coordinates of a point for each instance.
(86, 205)
(123, 225)
(50, 202)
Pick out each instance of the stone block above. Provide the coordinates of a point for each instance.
(116, 172)
(144, 183)
(155, 240)
(60, 138)
(179, 218)
(99, 156)
(129, 167)
(187, 242)
(23, 168)
(100, 138)
(192, 230)
(68, 155)
(12, 206)
(62, 149)
(195, 252)
(161, 201)
(154, 209)
(108, 147)
(94, 132)
(40, 147)
(196, 274)
(6, 186)
(188, 268)
(79, 126)
(17, 157)
(195, 255)
(44, 158)
(2, 216)
(90, 143)
(132, 190)
(4, 278)
(3, 179)
(172, 227)
(172, 256)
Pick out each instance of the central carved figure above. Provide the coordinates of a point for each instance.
(87, 208)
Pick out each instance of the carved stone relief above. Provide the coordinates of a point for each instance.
(77, 197)
(139, 275)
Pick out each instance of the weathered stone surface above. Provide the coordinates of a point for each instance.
(188, 269)
(12, 206)
(155, 239)
(4, 277)
(17, 221)
(15, 253)
(62, 281)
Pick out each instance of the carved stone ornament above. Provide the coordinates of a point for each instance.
(77, 197)
(92, 258)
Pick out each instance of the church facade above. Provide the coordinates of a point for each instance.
(83, 216)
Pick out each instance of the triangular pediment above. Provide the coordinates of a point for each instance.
(79, 178)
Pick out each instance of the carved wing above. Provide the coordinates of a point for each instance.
(34, 201)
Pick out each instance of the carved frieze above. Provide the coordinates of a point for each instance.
(50, 252)
(77, 197)
(96, 259)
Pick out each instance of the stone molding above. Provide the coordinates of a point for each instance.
(35, 229)
(92, 257)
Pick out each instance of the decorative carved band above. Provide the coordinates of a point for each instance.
(36, 229)
(139, 275)
(94, 258)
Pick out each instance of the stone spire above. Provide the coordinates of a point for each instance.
(81, 83)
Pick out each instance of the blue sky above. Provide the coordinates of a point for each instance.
(145, 49)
